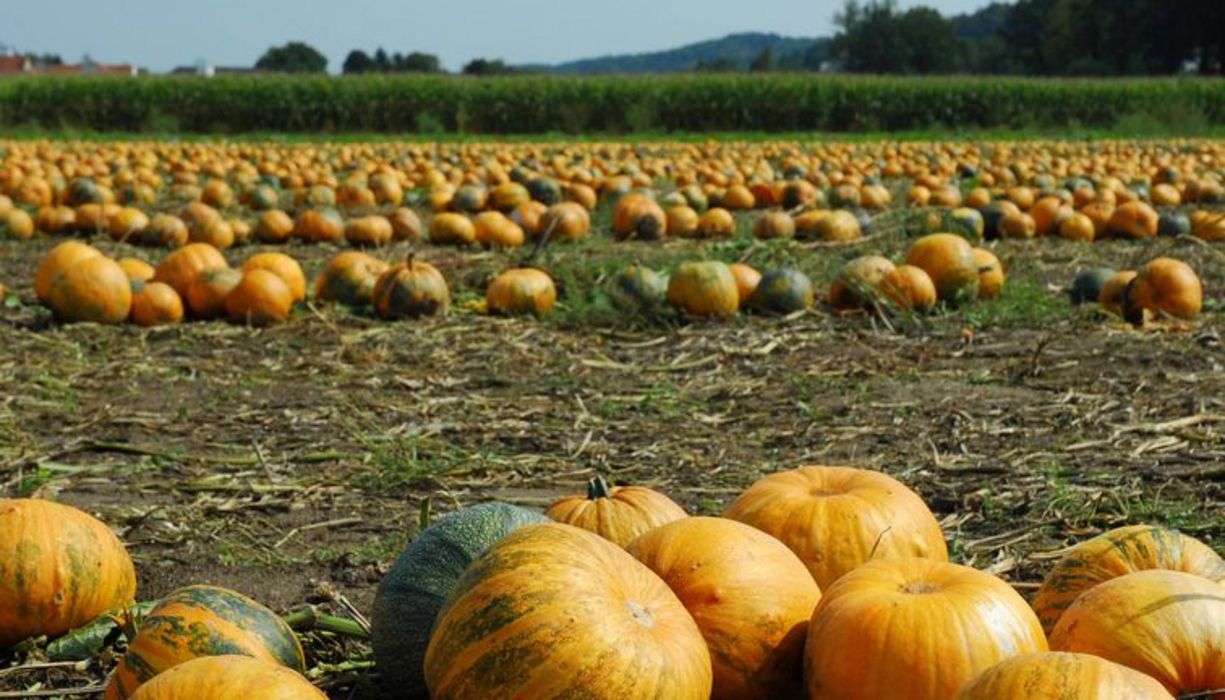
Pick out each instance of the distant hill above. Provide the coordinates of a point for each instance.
(739, 49)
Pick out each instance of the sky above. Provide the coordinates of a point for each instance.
(162, 34)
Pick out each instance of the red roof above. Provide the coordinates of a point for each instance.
(12, 65)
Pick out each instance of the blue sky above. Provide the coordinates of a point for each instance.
(160, 34)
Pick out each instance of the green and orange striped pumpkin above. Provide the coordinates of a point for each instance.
(201, 621)
(228, 677)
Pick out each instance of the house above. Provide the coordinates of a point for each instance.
(15, 65)
(25, 65)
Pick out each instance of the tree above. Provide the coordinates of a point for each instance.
(482, 66)
(417, 62)
(294, 57)
(382, 63)
(876, 38)
(764, 61)
(357, 62)
(716, 65)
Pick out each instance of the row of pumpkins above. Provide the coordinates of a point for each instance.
(818, 582)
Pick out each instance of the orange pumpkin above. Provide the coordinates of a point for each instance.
(587, 619)
(616, 514)
(62, 568)
(405, 225)
(1077, 227)
(682, 221)
(747, 279)
(1061, 676)
(1017, 225)
(833, 226)
(282, 266)
(410, 290)
(262, 298)
(1117, 553)
(319, 226)
(738, 197)
(203, 621)
(837, 518)
(716, 223)
(990, 274)
(215, 232)
(913, 629)
(1133, 220)
(859, 282)
(1115, 290)
(453, 229)
(949, 260)
(521, 290)
(60, 258)
(93, 290)
(156, 304)
(206, 295)
(639, 217)
(18, 224)
(180, 268)
(528, 215)
(1165, 286)
(349, 278)
(137, 270)
(228, 677)
(705, 288)
(1166, 624)
(127, 224)
(565, 221)
(774, 224)
(369, 231)
(750, 596)
(909, 287)
(495, 230)
(274, 226)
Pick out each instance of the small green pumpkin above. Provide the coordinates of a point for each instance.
(1087, 285)
(413, 592)
(783, 291)
(637, 288)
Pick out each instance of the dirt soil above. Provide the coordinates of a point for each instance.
(291, 463)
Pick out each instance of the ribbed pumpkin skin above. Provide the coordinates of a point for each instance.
(750, 596)
(835, 518)
(59, 568)
(1061, 676)
(180, 268)
(521, 291)
(913, 629)
(228, 678)
(410, 290)
(415, 589)
(1117, 553)
(619, 515)
(203, 621)
(349, 278)
(94, 290)
(553, 611)
(1167, 624)
(704, 289)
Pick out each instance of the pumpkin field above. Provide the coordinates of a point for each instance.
(677, 418)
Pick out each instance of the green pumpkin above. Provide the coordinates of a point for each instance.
(544, 190)
(83, 190)
(1087, 286)
(264, 198)
(1173, 223)
(783, 291)
(637, 288)
(413, 592)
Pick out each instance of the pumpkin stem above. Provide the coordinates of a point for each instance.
(598, 488)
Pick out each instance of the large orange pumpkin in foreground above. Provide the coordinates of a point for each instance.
(60, 258)
(859, 282)
(282, 266)
(837, 518)
(1165, 286)
(92, 290)
(156, 304)
(522, 290)
(261, 299)
(1167, 624)
(410, 290)
(618, 514)
(1061, 676)
(913, 629)
(949, 260)
(705, 288)
(909, 287)
(349, 278)
(1117, 553)
(990, 274)
(206, 295)
(750, 595)
(59, 568)
(180, 268)
(552, 611)
(199, 621)
(228, 678)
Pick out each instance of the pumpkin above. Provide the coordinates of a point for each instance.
(1017, 225)
(61, 569)
(1166, 624)
(274, 226)
(1116, 553)
(544, 190)
(859, 282)
(909, 287)
(750, 596)
(319, 226)
(519, 291)
(565, 221)
(747, 279)
(1166, 195)
(639, 217)
(17, 224)
(215, 232)
(990, 274)
(127, 224)
(165, 230)
(451, 228)
(180, 268)
(716, 223)
(1113, 292)
(51, 220)
(261, 298)
(913, 629)
(282, 266)
(1088, 284)
(405, 225)
(507, 196)
(1165, 286)
(61, 257)
(682, 221)
(801, 193)
(227, 677)
(1133, 220)
(738, 197)
(616, 514)
(263, 198)
(832, 226)
(553, 611)
(774, 224)
(637, 288)
(201, 621)
(837, 518)
(705, 288)
(137, 270)
(412, 593)
(969, 223)
(1173, 223)
(1061, 676)
(783, 291)
(949, 260)
(206, 295)
(369, 231)
(410, 290)
(155, 304)
(1045, 214)
(1209, 226)
(528, 215)
(93, 290)
(875, 197)
(495, 230)
(349, 278)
